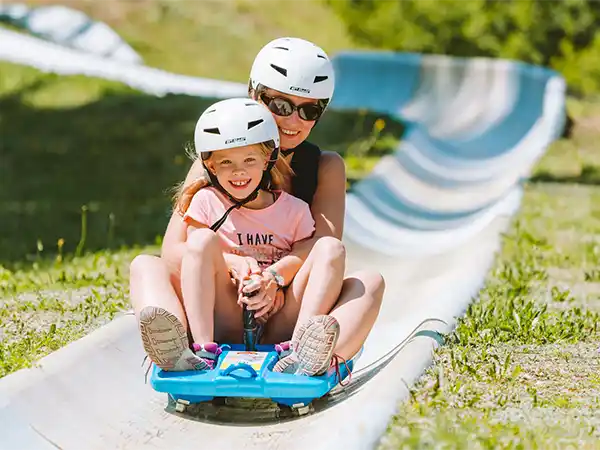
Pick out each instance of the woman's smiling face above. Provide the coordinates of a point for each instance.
(292, 129)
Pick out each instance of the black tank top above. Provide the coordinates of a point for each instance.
(305, 164)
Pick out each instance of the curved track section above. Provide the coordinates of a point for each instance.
(429, 218)
(475, 128)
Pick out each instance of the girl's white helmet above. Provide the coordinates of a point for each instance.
(235, 122)
(294, 66)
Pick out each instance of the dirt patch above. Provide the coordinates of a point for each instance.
(37, 312)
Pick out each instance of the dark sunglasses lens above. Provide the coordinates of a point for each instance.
(281, 107)
(309, 112)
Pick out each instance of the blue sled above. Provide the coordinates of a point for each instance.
(242, 373)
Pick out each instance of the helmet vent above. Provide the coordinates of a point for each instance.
(281, 70)
(320, 78)
(322, 56)
(254, 123)
(212, 130)
(282, 48)
(211, 111)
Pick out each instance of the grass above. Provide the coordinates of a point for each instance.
(520, 371)
(575, 160)
(46, 304)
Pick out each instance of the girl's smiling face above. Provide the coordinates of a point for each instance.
(239, 170)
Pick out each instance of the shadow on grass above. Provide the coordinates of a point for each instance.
(118, 156)
(590, 175)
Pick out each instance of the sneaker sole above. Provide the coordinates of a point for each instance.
(165, 339)
(316, 343)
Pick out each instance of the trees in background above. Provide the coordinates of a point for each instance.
(563, 34)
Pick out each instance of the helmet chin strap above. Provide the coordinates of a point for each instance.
(236, 202)
(265, 183)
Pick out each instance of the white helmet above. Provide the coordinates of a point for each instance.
(294, 66)
(234, 122)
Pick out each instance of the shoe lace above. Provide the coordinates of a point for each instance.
(147, 369)
(335, 360)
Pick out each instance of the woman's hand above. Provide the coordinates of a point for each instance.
(277, 305)
(267, 299)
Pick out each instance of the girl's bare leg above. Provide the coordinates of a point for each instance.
(314, 290)
(160, 313)
(209, 296)
(320, 288)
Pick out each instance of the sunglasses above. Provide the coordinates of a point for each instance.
(283, 107)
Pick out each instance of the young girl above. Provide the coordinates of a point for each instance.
(239, 210)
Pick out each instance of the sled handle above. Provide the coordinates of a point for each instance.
(248, 368)
(250, 325)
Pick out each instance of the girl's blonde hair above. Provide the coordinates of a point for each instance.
(281, 179)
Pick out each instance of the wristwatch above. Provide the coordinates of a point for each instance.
(278, 278)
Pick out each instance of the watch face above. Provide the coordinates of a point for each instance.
(278, 278)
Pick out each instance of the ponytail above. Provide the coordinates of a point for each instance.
(184, 194)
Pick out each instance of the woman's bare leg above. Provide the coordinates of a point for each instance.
(150, 284)
(357, 309)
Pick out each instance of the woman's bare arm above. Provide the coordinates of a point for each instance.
(328, 209)
(173, 245)
(329, 204)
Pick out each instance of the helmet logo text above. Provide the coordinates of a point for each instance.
(299, 89)
(231, 141)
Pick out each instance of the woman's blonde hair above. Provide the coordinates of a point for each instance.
(281, 179)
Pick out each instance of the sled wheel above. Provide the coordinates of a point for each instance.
(181, 405)
(301, 408)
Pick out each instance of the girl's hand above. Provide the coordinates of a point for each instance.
(242, 267)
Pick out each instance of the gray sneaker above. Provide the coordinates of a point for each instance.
(165, 341)
(310, 352)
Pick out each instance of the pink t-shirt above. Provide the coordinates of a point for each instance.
(265, 234)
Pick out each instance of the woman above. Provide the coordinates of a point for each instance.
(295, 80)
